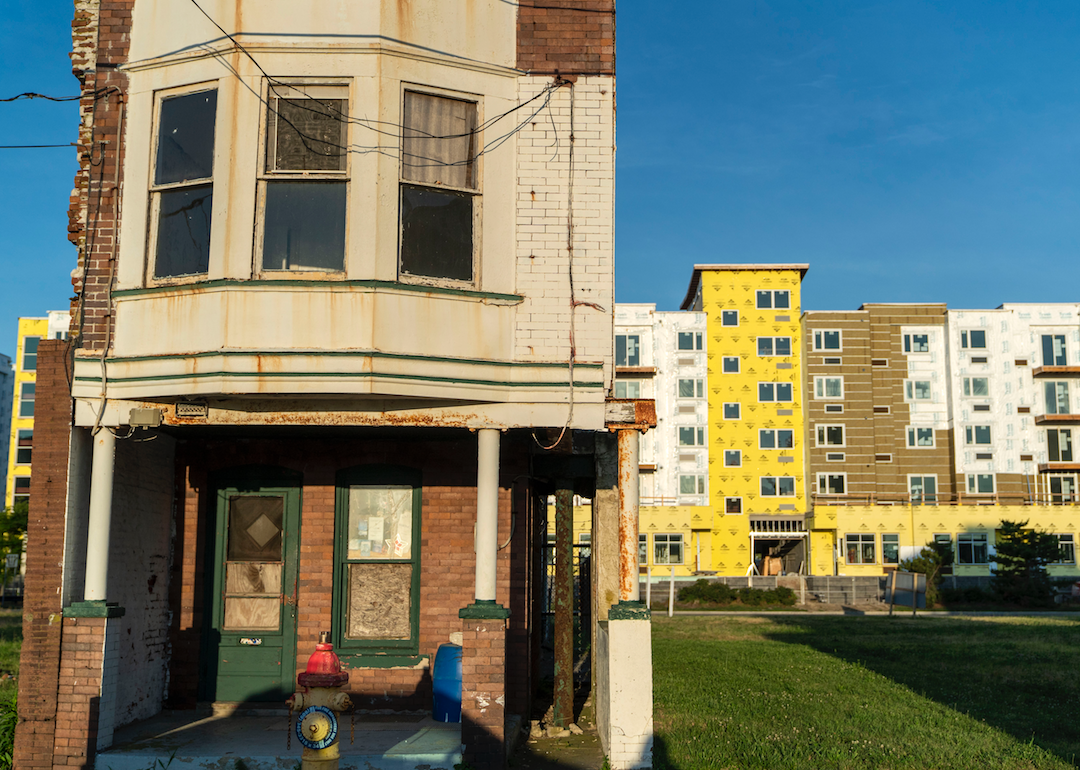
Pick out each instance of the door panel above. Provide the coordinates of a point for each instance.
(251, 639)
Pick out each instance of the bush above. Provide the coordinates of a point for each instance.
(708, 592)
(9, 716)
(973, 595)
(932, 561)
(1022, 556)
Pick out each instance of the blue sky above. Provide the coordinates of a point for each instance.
(908, 151)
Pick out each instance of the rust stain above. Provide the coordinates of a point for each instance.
(628, 514)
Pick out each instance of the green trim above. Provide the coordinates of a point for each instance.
(368, 660)
(484, 609)
(625, 610)
(356, 375)
(375, 475)
(348, 354)
(366, 284)
(96, 608)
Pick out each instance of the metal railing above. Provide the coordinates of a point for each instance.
(961, 498)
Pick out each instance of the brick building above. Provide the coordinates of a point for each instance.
(343, 320)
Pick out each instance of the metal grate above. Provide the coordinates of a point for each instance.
(191, 409)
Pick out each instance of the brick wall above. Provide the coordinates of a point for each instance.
(446, 541)
(567, 36)
(544, 223)
(100, 39)
(40, 660)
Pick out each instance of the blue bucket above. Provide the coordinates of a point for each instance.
(446, 684)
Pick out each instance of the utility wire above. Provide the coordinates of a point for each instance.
(34, 146)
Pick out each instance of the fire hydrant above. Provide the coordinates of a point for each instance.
(319, 700)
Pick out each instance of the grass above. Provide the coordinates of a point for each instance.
(799, 691)
(10, 645)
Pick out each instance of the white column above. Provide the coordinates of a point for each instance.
(487, 512)
(101, 493)
(629, 581)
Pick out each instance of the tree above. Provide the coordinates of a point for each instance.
(1021, 559)
(13, 527)
(932, 561)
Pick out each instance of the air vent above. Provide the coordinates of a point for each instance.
(978, 359)
(879, 362)
(191, 410)
(834, 408)
(834, 457)
(981, 408)
(833, 361)
(1023, 410)
(1021, 362)
(784, 412)
(687, 409)
(687, 362)
(882, 410)
(984, 455)
(1027, 458)
(883, 458)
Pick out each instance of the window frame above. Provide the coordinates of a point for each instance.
(728, 505)
(776, 484)
(27, 354)
(967, 341)
(730, 360)
(20, 435)
(698, 434)
(1061, 496)
(725, 315)
(476, 193)
(911, 393)
(669, 539)
(738, 410)
(698, 484)
(696, 341)
(1058, 445)
(155, 190)
(775, 390)
(1053, 405)
(827, 477)
(773, 347)
(968, 545)
(626, 388)
(913, 437)
(923, 496)
(892, 544)
(24, 388)
(975, 479)
(732, 458)
(387, 477)
(968, 387)
(857, 542)
(971, 435)
(821, 387)
(910, 343)
(1066, 548)
(772, 294)
(697, 386)
(821, 343)
(775, 434)
(821, 435)
(1064, 358)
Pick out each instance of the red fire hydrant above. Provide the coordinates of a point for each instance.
(319, 700)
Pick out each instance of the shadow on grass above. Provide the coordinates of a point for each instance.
(1015, 675)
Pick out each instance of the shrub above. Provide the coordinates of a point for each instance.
(9, 716)
(708, 592)
(1022, 555)
(932, 561)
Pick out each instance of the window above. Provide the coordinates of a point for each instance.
(860, 548)
(890, 549)
(667, 549)
(182, 194)
(774, 346)
(1066, 550)
(827, 340)
(732, 411)
(30, 347)
(973, 338)
(732, 458)
(643, 548)
(917, 390)
(1057, 397)
(916, 343)
(774, 391)
(627, 389)
(585, 540)
(690, 436)
(776, 439)
(732, 505)
(920, 437)
(1059, 445)
(1053, 349)
(729, 318)
(980, 483)
(780, 300)
(976, 386)
(377, 585)
(303, 184)
(832, 483)
(828, 387)
(731, 364)
(21, 489)
(971, 548)
(26, 399)
(691, 388)
(690, 340)
(830, 435)
(23, 447)
(691, 484)
(439, 187)
(923, 489)
(627, 350)
(1062, 489)
(977, 435)
(777, 486)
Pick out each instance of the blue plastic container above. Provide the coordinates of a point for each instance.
(446, 684)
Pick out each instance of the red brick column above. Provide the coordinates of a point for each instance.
(483, 689)
(40, 662)
(78, 697)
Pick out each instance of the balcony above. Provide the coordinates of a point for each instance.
(1055, 371)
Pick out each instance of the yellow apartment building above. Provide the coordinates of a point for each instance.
(31, 332)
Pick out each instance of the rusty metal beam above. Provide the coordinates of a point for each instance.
(629, 589)
(563, 601)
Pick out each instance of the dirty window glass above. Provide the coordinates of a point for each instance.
(436, 233)
(183, 235)
(185, 148)
(305, 226)
(307, 135)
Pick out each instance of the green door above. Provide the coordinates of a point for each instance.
(251, 639)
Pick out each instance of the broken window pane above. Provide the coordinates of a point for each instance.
(183, 236)
(438, 140)
(436, 233)
(186, 138)
(304, 226)
(307, 135)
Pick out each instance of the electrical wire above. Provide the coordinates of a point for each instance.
(35, 146)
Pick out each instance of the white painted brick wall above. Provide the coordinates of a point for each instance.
(543, 187)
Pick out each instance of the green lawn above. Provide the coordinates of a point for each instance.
(799, 691)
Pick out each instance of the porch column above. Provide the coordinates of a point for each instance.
(483, 626)
(629, 580)
(101, 494)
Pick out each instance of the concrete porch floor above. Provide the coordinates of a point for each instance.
(256, 740)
